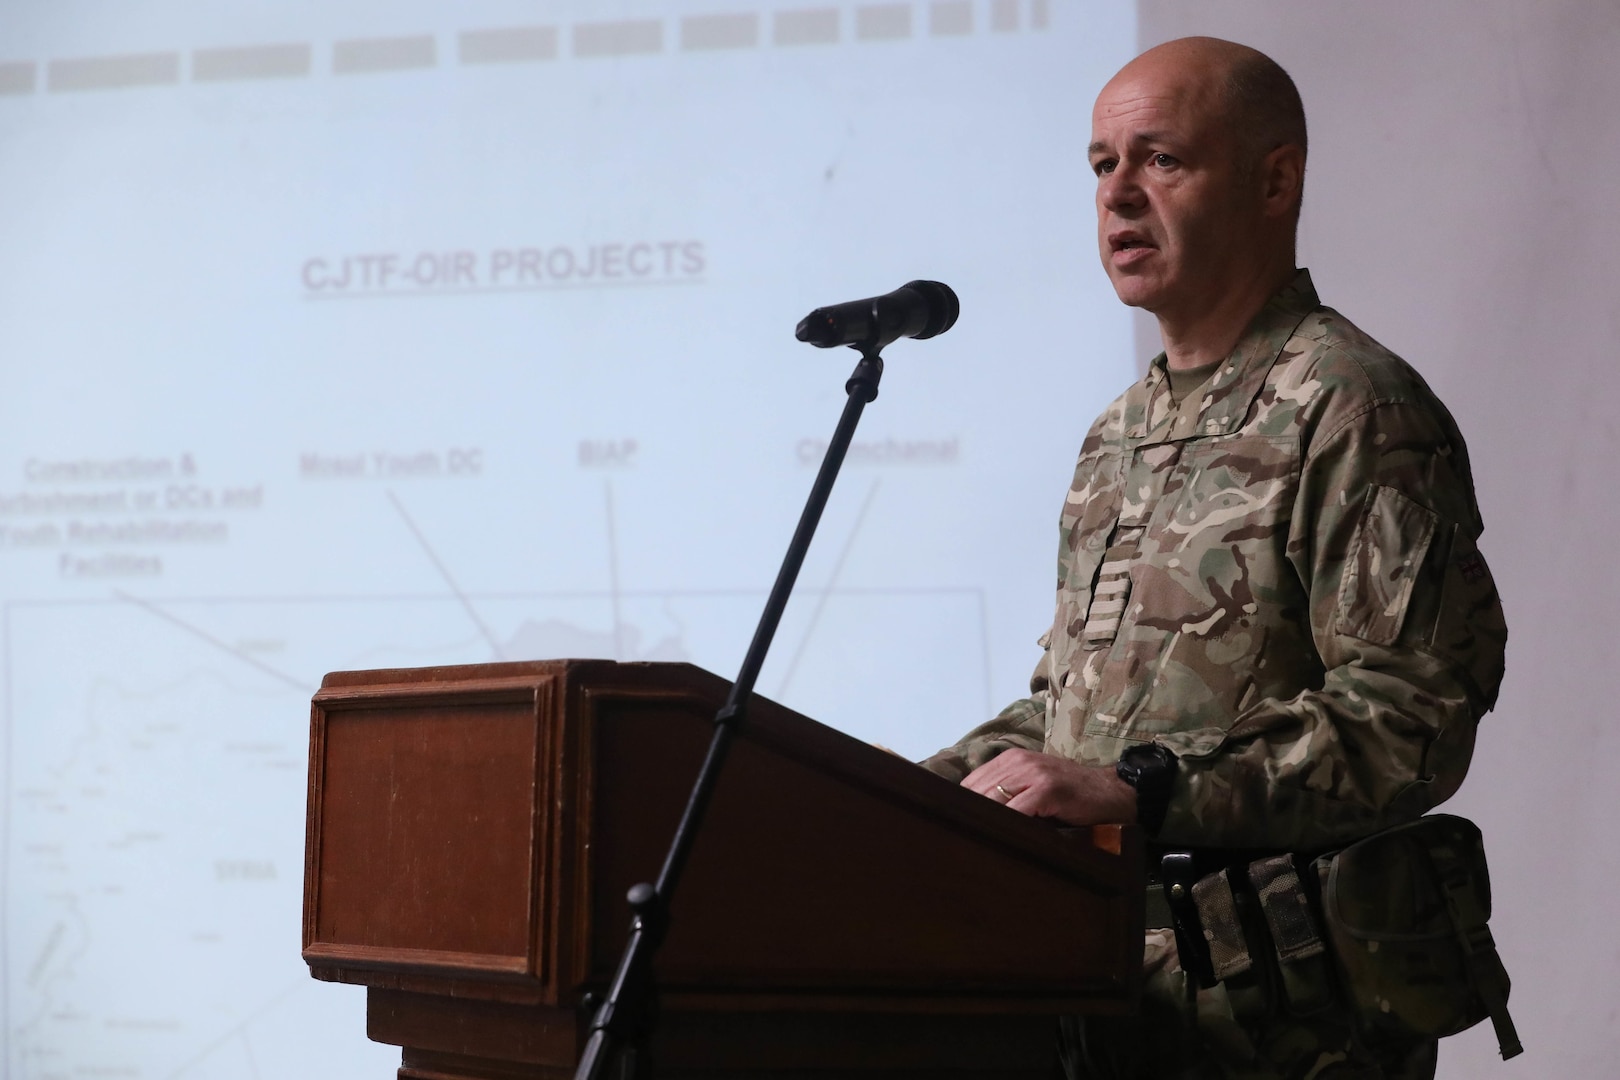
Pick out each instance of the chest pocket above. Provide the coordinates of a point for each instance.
(1234, 492)
(1220, 552)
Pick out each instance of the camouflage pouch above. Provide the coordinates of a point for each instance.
(1296, 941)
(1404, 914)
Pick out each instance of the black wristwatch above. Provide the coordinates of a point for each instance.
(1151, 770)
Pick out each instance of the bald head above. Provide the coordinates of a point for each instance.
(1245, 90)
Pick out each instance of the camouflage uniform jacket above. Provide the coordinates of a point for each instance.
(1279, 582)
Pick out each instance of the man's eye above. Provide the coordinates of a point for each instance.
(1163, 161)
(1102, 168)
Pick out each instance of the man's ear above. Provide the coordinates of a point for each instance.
(1282, 172)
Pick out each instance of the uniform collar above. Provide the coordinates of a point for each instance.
(1219, 407)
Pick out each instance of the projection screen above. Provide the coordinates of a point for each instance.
(367, 335)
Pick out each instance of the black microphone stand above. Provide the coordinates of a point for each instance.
(622, 1021)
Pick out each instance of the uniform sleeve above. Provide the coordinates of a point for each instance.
(1021, 725)
(1409, 628)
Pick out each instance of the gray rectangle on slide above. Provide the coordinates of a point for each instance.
(512, 45)
(883, 22)
(625, 38)
(113, 72)
(720, 31)
(17, 77)
(809, 26)
(950, 17)
(361, 55)
(1004, 15)
(251, 62)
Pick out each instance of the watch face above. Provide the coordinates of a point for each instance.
(1147, 763)
(1147, 756)
(1150, 769)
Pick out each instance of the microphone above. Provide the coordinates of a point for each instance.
(917, 309)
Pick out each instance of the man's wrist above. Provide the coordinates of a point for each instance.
(1151, 770)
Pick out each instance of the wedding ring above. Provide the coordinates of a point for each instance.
(1005, 794)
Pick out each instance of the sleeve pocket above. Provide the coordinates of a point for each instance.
(1384, 561)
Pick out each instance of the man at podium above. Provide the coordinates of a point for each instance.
(1274, 633)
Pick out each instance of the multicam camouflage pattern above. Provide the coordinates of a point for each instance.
(1406, 913)
(1213, 1035)
(1277, 580)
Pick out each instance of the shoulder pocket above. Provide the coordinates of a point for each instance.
(1384, 561)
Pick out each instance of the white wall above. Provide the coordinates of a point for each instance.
(1460, 207)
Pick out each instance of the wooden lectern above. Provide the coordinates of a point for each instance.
(473, 831)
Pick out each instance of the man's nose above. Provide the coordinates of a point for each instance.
(1120, 191)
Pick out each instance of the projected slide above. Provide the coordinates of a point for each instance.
(350, 336)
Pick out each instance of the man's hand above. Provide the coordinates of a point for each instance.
(1042, 785)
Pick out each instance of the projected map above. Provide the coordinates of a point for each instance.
(394, 335)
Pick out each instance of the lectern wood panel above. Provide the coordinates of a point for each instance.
(428, 848)
(473, 831)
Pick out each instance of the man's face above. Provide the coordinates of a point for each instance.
(1176, 219)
